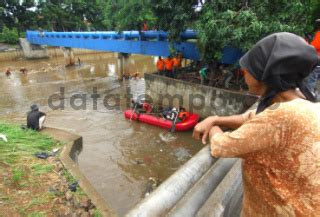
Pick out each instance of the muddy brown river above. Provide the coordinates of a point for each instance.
(118, 155)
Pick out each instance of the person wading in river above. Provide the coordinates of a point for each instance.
(280, 145)
(8, 72)
(35, 118)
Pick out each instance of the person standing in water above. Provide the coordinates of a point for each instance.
(8, 72)
(35, 118)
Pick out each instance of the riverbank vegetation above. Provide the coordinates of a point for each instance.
(30, 186)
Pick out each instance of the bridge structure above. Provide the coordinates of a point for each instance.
(153, 43)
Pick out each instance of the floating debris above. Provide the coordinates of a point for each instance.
(152, 184)
(182, 154)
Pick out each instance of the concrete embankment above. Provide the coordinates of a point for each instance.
(68, 156)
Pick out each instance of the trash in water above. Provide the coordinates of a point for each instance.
(3, 137)
(139, 161)
(152, 184)
(182, 154)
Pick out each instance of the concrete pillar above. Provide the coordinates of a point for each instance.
(32, 51)
(68, 56)
(122, 66)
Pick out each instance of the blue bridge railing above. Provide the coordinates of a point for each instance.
(154, 43)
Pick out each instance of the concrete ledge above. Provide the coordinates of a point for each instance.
(71, 149)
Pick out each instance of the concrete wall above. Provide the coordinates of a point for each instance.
(197, 98)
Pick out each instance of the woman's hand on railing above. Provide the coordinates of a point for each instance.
(202, 129)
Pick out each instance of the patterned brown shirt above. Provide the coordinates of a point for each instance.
(280, 148)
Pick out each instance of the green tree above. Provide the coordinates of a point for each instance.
(128, 14)
(70, 15)
(9, 36)
(242, 23)
(315, 9)
(176, 16)
(18, 13)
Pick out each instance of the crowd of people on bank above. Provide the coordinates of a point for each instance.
(169, 66)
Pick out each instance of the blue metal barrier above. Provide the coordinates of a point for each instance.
(154, 43)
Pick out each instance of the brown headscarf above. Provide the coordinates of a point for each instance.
(281, 61)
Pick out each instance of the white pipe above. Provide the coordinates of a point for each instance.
(201, 191)
(174, 188)
(219, 199)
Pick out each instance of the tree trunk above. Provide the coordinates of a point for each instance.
(212, 70)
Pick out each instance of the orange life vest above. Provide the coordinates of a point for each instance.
(160, 65)
(316, 42)
(176, 62)
(169, 64)
(183, 115)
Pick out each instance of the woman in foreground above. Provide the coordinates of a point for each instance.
(280, 142)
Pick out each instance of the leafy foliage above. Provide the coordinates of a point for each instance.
(128, 14)
(70, 15)
(241, 24)
(175, 16)
(9, 36)
(18, 14)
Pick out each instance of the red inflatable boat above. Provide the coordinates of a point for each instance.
(185, 125)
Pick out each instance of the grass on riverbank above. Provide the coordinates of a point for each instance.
(22, 143)
(35, 187)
